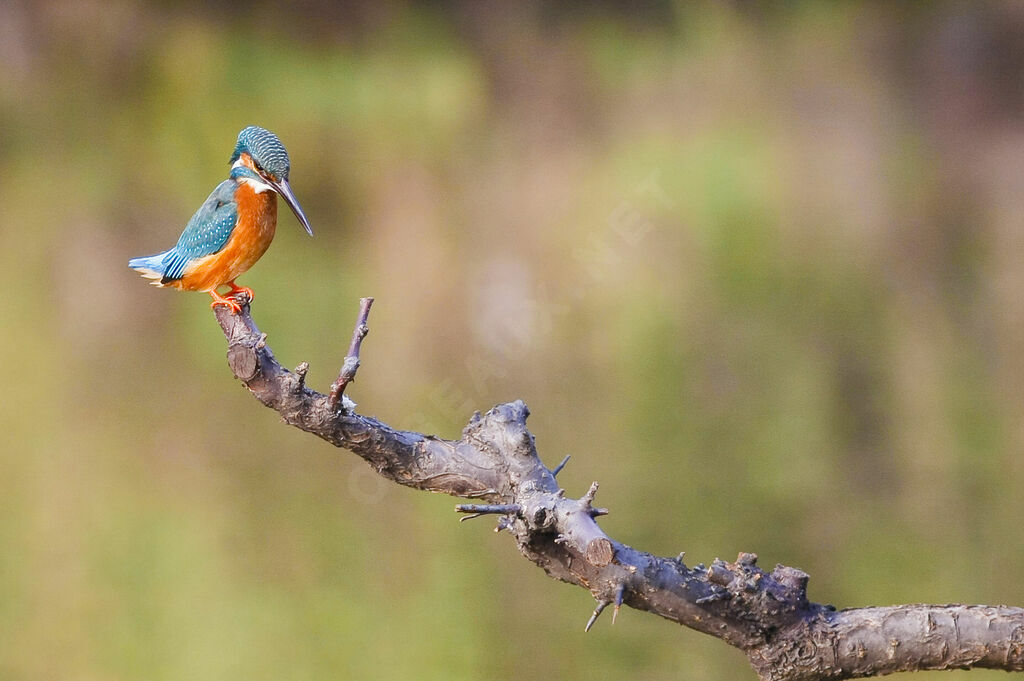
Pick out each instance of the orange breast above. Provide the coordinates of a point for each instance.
(257, 221)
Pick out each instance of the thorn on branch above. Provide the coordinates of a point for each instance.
(620, 593)
(477, 510)
(351, 364)
(300, 373)
(558, 469)
(587, 502)
(601, 605)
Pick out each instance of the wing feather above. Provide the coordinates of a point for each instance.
(206, 233)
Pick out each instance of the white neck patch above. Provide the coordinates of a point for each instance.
(257, 186)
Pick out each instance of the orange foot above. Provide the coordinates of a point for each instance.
(241, 289)
(218, 299)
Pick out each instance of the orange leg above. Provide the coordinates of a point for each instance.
(218, 299)
(241, 289)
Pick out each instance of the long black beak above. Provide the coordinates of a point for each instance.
(284, 189)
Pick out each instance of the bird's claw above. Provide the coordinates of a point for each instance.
(235, 307)
(235, 298)
(235, 290)
(234, 304)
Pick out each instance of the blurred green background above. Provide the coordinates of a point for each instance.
(758, 267)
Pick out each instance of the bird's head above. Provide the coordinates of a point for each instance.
(261, 158)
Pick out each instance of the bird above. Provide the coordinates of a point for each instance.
(234, 226)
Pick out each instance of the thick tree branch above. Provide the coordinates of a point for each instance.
(766, 614)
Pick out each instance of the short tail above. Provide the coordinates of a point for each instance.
(151, 267)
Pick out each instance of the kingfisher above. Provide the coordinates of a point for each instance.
(234, 226)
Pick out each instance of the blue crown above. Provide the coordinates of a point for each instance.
(266, 150)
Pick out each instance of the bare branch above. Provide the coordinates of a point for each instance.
(351, 363)
(785, 636)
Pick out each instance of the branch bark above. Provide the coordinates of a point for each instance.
(785, 636)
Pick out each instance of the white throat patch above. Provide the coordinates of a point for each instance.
(258, 186)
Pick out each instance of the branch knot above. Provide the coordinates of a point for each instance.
(243, 360)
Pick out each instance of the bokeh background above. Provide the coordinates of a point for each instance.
(758, 267)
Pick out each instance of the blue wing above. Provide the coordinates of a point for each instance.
(206, 233)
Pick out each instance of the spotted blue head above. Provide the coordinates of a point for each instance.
(260, 157)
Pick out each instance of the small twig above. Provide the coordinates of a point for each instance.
(478, 510)
(597, 613)
(558, 469)
(351, 364)
(300, 375)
